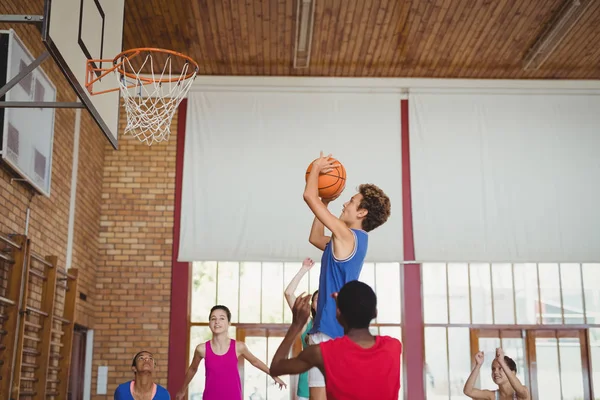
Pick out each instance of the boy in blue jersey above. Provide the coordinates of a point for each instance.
(343, 252)
(143, 386)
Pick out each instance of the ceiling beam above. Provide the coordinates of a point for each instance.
(305, 18)
(556, 30)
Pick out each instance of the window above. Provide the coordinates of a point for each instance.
(253, 291)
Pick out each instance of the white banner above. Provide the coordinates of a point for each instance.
(505, 177)
(245, 158)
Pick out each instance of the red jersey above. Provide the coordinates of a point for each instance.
(356, 373)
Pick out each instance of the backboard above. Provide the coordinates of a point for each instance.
(75, 31)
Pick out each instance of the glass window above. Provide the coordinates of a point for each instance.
(289, 271)
(228, 286)
(591, 277)
(387, 280)
(250, 292)
(594, 340)
(572, 293)
(204, 290)
(436, 363)
(526, 293)
(502, 285)
(272, 293)
(481, 293)
(459, 352)
(435, 306)
(458, 293)
(550, 294)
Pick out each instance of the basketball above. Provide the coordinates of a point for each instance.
(332, 183)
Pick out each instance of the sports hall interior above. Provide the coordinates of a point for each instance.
(480, 119)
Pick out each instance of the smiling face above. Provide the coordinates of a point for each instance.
(351, 212)
(218, 322)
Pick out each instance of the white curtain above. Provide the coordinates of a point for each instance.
(505, 177)
(245, 158)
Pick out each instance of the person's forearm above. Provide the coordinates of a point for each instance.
(262, 366)
(189, 375)
(312, 184)
(470, 384)
(513, 380)
(293, 285)
(284, 349)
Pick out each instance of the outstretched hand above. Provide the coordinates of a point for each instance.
(301, 310)
(279, 383)
(308, 263)
(479, 358)
(500, 354)
(324, 164)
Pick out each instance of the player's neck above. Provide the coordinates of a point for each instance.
(506, 389)
(359, 335)
(355, 225)
(220, 338)
(143, 383)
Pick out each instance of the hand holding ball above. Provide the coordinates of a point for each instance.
(332, 181)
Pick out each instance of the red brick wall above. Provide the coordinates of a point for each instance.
(134, 274)
(50, 215)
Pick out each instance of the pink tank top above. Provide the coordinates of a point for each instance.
(222, 375)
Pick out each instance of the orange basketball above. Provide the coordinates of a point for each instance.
(332, 183)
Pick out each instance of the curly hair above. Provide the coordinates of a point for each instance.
(377, 204)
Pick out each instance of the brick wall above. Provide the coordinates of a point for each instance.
(134, 274)
(50, 215)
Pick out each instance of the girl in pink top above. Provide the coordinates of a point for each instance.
(221, 361)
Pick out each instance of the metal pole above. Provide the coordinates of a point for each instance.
(26, 71)
(40, 104)
(27, 19)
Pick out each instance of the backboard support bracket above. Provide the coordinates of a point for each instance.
(32, 104)
(22, 19)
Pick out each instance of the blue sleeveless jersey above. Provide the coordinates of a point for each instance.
(335, 274)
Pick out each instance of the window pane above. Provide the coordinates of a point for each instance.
(458, 293)
(436, 363)
(571, 374)
(481, 293)
(435, 306)
(367, 275)
(595, 359)
(460, 360)
(514, 347)
(570, 277)
(550, 294)
(591, 277)
(548, 377)
(272, 289)
(502, 278)
(395, 332)
(289, 271)
(273, 391)
(250, 281)
(228, 287)
(526, 293)
(255, 381)
(387, 279)
(204, 289)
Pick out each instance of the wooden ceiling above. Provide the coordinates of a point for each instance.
(368, 38)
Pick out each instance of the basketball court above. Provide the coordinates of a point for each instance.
(153, 158)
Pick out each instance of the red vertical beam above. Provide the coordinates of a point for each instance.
(412, 332)
(180, 276)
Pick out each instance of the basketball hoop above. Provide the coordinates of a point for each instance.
(150, 98)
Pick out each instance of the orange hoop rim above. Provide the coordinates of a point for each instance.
(94, 73)
(132, 53)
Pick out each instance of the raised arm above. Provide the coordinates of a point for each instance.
(252, 359)
(469, 390)
(290, 290)
(193, 368)
(319, 209)
(520, 389)
(309, 357)
(317, 232)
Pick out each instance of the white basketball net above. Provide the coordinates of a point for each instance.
(150, 106)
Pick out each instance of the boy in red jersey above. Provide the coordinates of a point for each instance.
(356, 366)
